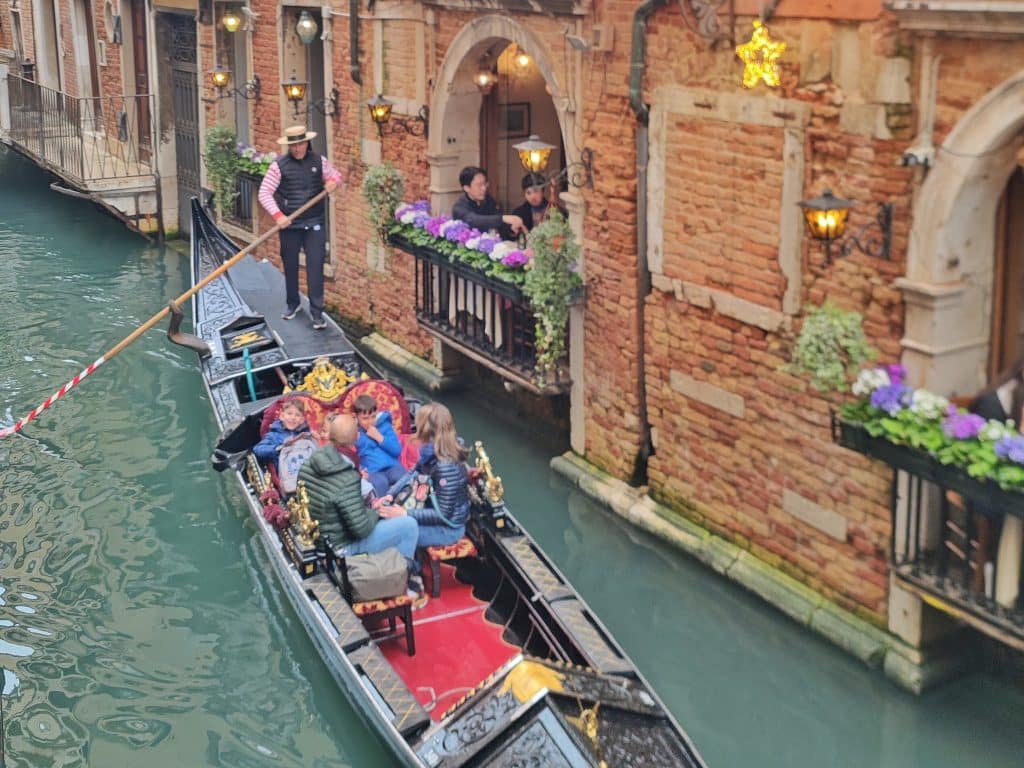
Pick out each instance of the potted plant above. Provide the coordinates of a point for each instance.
(222, 166)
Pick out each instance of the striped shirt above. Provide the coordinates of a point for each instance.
(273, 178)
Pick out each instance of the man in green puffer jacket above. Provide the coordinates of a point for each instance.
(336, 501)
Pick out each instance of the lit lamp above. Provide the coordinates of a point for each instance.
(826, 220)
(521, 58)
(220, 77)
(380, 111)
(294, 89)
(306, 27)
(534, 153)
(485, 80)
(231, 20)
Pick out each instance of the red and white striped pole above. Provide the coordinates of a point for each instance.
(127, 340)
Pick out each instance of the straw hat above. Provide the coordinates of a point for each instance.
(294, 134)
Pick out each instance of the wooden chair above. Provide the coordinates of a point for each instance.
(389, 608)
(433, 557)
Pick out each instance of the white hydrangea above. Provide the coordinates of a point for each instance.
(408, 217)
(994, 431)
(927, 404)
(869, 380)
(472, 243)
(502, 249)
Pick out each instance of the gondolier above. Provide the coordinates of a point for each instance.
(290, 182)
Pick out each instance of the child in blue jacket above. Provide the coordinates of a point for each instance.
(378, 445)
(290, 423)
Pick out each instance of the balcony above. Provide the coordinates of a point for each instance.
(94, 143)
(956, 540)
(488, 320)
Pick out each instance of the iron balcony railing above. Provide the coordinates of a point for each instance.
(955, 539)
(247, 186)
(489, 320)
(83, 139)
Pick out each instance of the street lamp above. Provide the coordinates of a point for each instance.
(306, 27)
(826, 217)
(295, 91)
(220, 77)
(534, 155)
(231, 20)
(380, 112)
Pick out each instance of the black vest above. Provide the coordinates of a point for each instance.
(301, 180)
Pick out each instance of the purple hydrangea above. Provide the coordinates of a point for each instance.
(433, 225)
(1011, 449)
(892, 398)
(420, 219)
(458, 232)
(897, 373)
(468, 234)
(962, 426)
(516, 258)
(487, 243)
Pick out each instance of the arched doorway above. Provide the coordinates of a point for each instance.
(951, 288)
(468, 127)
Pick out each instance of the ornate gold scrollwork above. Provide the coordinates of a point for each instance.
(495, 490)
(247, 338)
(326, 382)
(308, 528)
(587, 724)
(254, 474)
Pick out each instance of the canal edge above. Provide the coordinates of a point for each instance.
(906, 666)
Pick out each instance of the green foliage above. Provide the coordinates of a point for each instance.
(383, 189)
(550, 285)
(221, 166)
(831, 347)
(457, 252)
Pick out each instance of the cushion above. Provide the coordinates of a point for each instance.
(461, 548)
(376, 606)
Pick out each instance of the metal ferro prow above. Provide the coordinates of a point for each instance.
(495, 490)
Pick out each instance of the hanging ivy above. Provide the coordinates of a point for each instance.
(831, 347)
(383, 189)
(551, 285)
(221, 157)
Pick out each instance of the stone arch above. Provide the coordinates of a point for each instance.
(455, 142)
(952, 247)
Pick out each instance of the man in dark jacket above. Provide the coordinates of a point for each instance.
(479, 209)
(336, 500)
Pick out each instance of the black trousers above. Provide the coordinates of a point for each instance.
(312, 239)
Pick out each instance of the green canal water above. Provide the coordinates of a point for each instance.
(139, 625)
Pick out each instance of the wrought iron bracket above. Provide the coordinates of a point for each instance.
(414, 125)
(249, 90)
(873, 239)
(578, 174)
(328, 106)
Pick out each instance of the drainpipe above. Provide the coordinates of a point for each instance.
(637, 63)
(353, 42)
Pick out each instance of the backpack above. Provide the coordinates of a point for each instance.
(294, 453)
(378, 575)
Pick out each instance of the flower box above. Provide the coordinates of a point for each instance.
(985, 494)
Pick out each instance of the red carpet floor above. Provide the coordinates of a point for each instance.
(456, 647)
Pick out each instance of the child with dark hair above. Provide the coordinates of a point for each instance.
(538, 205)
(378, 446)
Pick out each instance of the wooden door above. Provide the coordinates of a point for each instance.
(140, 60)
(1008, 286)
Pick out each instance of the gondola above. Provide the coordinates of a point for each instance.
(506, 665)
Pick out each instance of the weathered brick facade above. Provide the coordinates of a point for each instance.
(741, 445)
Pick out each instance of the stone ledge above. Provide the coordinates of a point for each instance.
(873, 646)
(415, 368)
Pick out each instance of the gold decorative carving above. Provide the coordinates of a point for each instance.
(326, 382)
(495, 490)
(528, 678)
(308, 528)
(588, 725)
(247, 338)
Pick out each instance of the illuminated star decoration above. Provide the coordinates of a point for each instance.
(760, 58)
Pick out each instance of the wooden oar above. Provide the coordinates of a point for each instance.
(127, 340)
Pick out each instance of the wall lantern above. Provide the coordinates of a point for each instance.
(534, 155)
(220, 77)
(306, 27)
(520, 57)
(380, 112)
(295, 91)
(826, 220)
(231, 20)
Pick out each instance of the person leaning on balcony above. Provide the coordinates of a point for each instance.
(290, 182)
(479, 209)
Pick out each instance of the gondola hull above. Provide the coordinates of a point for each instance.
(562, 694)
